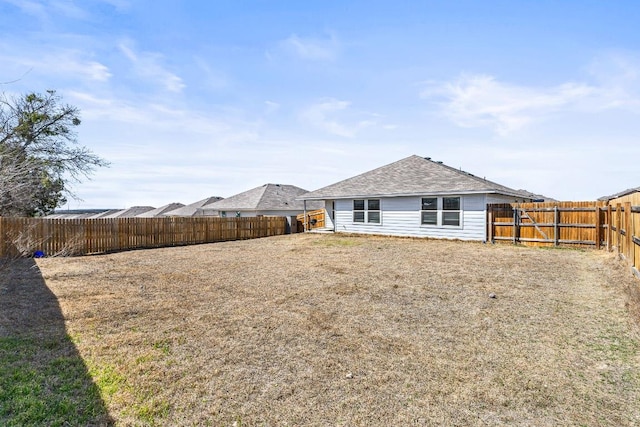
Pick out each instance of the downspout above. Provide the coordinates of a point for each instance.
(304, 220)
(333, 215)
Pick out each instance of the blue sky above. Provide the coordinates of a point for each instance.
(191, 99)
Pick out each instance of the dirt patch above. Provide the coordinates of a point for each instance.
(351, 330)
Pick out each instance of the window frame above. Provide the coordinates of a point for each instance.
(363, 214)
(441, 212)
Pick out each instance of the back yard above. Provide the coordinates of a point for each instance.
(321, 330)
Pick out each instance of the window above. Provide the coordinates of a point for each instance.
(366, 211)
(444, 211)
(358, 211)
(223, 214)
(430, 210)
(451, 211)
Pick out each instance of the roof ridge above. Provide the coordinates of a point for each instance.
(264, 192)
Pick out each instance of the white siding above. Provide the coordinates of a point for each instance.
(401, 217)
(328, 221)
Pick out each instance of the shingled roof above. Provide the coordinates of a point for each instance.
(411, 176)
(161, 211)
(192, 208)
(130, 212)
(620, 194)
(267, 197)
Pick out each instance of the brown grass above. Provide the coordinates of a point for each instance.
(350, 330)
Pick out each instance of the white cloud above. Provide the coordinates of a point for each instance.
(336, 117)
(67, 63)
(46, 11)
(618, 76)
(271, 107)
(148, 65)
(483, 101)
(159, 117)
(32, 8)
(120, 5)
(212, 78)
(320, 116)
(313, 49)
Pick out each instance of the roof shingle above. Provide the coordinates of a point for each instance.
(413, 175)
(267, 197)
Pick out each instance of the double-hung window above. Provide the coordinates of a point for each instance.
(430, 210)
(366, 211)
(440, 211)
(451, 211)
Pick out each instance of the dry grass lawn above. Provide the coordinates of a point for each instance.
(338, 330)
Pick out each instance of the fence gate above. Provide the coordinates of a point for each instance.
(547, 224)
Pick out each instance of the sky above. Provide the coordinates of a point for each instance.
(192, 99)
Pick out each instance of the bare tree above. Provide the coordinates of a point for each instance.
(39, 154)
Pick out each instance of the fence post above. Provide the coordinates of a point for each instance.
(490, 224)
(515, 225)
(598, 229)
(609, 226)
(618, 226)
(556, 225)
(628, 233)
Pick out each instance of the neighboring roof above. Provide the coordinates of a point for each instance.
(192, 209)
(413, 175)
(161, 211)
(268, 197)
(620, 194)
(68, 215)
(105, 213)
(129, 213)
(76, 213)
(536, 197)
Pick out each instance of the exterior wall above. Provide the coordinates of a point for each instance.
(400, 216)
(328, 214)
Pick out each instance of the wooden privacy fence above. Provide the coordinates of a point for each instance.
(314, 219)
(592, 224)
(25, 236)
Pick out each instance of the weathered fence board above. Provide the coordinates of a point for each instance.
(24, 236)
(593, 224)
(547, 224)
(312, 220)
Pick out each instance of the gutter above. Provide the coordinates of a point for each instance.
(428, 193)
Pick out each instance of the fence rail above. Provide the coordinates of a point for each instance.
(24, 236)
(594, 224)
(312, 220)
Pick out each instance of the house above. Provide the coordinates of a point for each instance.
(193, 209)
(414, 196)
(130, 212)
(161, 211)
(631, 195)
(266, 200)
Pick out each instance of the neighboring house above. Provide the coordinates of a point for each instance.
(413, 197)
(130, 212)
(105, 213)
(79, 213)
(192, 209)
(631, 195)
(161, 211)
(266, 200)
